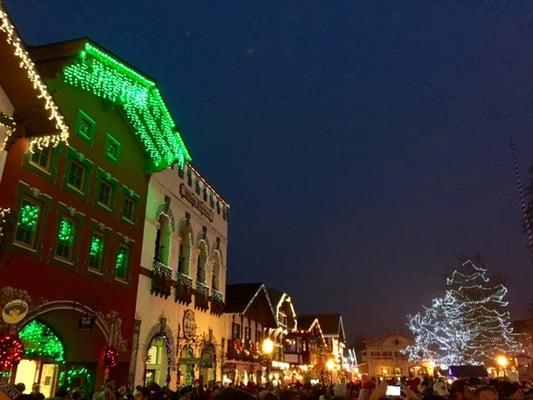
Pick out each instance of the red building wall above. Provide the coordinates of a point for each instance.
(38, 272)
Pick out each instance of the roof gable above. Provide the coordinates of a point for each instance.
(331, 324)
(250, 298)
(35, 109)
(92, 69)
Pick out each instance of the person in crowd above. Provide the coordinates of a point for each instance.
(36, 392)
(198, 392)
(485, 393)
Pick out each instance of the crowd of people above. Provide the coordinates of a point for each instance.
(367, 389)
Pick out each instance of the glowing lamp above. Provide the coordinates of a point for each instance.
(268, 346)
(330, 364)
(502, 361)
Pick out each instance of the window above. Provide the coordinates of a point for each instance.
(211, 201)
(247, 333)
(27, 224)
(76, 175)
(65, 238)
(235, 331)
(41, 158)
(121, 263)
(197, 186)
(180, 171)
(105, 192)
(85, 127)
(112, 149)
(189, 177)
(205, 194)
(128, 208)
(96, 252)
(218, 208)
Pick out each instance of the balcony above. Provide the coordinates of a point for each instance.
(246, 350)
(161, 279)
(217, 302)
(201, 298)
(183, 288)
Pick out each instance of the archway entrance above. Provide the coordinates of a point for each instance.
(157, 365)
(208, 364)
(44, 355)
(186, 366)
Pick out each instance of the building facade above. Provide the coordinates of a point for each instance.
(382, 356)
(250, 319)
(180, 331)
(71, 249)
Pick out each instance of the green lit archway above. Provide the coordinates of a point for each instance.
(40, 341)
(44, 357)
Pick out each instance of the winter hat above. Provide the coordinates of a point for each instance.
(440, 388)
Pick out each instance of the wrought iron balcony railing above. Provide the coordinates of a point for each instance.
(217, 302)
(161, 279)
(201, 298)
(183, 288)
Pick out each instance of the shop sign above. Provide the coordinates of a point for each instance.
(14, 311)
(188, 361)
(189, 324)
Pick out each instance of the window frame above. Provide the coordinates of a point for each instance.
(35, 232)
(101, 269)
(75, 156)
(128, 249)
(82, 115)
(75, 224)
(111, 139)
(128, 193)
(106, 177)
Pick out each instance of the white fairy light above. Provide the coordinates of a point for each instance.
(469, 325)
(26, 63)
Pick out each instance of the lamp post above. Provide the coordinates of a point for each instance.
(502, 362)
(267, 348)
(330, 365)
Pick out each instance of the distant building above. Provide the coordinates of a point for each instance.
(524, 361)
(382, 356)
(333, 331)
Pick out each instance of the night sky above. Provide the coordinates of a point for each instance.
(362, 145)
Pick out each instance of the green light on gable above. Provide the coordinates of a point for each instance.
(145, 109)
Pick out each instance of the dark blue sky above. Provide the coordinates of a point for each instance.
(362, 144)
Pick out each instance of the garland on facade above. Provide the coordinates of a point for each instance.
(469, 325)
(110, 357)
(11, 351)
(40, 341)
(3, 218)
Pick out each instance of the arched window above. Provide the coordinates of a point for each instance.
(201, 262)
(215, 284)
(162, 240)
(184, 251)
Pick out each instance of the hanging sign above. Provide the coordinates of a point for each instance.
(189, 324)
(14, 311)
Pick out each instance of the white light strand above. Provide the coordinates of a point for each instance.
(3, 215)
(27, 64)
(469, 325)
(8, 129)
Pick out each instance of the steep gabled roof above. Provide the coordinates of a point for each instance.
(331, 324)
(35, 113)
(87, 66)
(275, 296)
(251, 298)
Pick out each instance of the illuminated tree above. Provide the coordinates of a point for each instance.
(469, 325)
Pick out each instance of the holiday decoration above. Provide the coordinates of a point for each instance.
(144, 108)
(29, 215)
(110, 357)
(11, 351)
(40, 341)
(121, 263)
(96, 247)
(66, 231)
(3, 215)
(469, 325)
(77, 377)
(11, 37)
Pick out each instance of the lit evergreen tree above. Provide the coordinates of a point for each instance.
(469, 325)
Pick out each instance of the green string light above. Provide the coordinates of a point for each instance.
(97, 246)
(121, 263)
(29, 215)
(40, 341)
(82, 373)
(145, 109)
(66, 231)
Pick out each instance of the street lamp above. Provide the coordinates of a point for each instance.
(268, 348)
(502, 362)
(330, 365)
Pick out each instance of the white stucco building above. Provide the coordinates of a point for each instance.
(180, 300)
